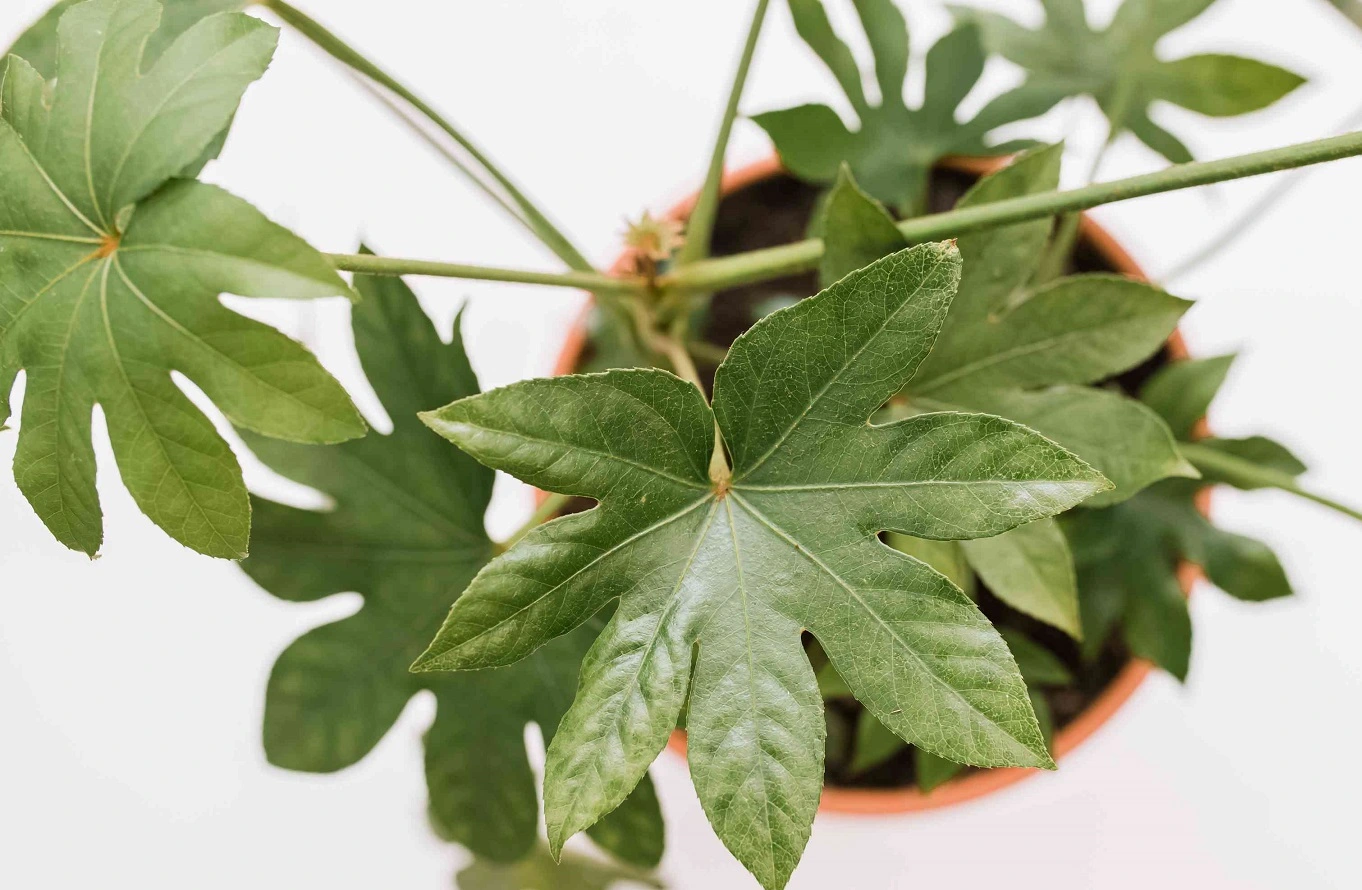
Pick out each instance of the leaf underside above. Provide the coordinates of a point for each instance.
(112, 269)
(407, 533)
(716, 582)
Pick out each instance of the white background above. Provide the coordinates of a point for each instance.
(132, 686)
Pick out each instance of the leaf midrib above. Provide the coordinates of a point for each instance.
(691, 484)
(837, 375)
(660, 524)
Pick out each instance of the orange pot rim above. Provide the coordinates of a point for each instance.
(974, 785)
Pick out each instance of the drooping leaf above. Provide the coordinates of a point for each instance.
(895, 146)
(734, 568)
(1030, 568)
(1000, 341)
(1121, 68)
(407, 533)
(113, 270)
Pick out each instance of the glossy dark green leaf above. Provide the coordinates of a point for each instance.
(1120, 67)
(1181, 392)
(894, 147)
(100, 310)
(406, 532)
(740, 566)
(1030, 568)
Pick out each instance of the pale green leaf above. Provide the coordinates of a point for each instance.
(735, 569)
(1030, 568)
(407, 533)
(100, 311)
(946, 557)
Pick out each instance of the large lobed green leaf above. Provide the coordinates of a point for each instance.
(407, 533)
(895, 147)
(1120, 67)
(112, 269)
(717, 578)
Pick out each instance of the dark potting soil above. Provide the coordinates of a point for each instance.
(777, 211)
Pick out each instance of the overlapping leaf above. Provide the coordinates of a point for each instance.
(734, 569)
(895, 147)
(1129, 555)
(1026, 356)
(407, 533)
(111, 269)
(1120, 66)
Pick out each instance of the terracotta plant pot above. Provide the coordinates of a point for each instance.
(972, 785)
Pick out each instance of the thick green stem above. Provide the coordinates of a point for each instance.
(700, 226)
(1244, 474)
(763, 265)
(595, 282)
(554, 239)
(1056, 257)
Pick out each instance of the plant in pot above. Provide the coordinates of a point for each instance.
(869, 509)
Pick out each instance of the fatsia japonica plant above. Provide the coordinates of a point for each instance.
(870, 509)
